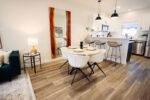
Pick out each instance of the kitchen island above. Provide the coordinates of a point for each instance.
(124, 48)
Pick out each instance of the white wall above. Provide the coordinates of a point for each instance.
(141, 17)
(23, 19)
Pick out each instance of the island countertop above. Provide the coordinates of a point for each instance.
(111, 38)
(124, 48)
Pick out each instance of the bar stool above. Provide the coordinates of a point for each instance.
(99, 43)
(89, 41)
(114, 46)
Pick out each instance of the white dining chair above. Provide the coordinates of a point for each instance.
(77, 62)
(64, 55)
(96, 59)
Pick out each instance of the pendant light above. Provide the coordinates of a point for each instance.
(98, 17)
(115, 14)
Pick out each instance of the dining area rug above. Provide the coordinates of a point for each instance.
(18, 88)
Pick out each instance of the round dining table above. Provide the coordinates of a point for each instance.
(87, 51)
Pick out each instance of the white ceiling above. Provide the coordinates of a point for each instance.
(109, 5)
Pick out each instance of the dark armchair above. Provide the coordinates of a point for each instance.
(7, 71)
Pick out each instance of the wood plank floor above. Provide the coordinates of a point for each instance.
(123, 82)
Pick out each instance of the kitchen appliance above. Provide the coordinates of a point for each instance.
(147, 49)
(138, 47)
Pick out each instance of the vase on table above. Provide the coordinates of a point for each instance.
(81, 45)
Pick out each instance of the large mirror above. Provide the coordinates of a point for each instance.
(60, 30)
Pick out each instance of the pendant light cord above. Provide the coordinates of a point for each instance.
(99, 6)
(116, 5)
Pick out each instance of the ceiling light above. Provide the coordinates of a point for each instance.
(115, 14)
(98, 17)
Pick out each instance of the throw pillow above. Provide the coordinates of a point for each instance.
(6, 56)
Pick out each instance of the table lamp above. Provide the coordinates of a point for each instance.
(33, 42)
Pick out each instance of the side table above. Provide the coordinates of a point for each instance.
(32, 59)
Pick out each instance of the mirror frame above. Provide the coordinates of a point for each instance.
(52, 31)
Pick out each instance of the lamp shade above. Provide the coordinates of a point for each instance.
(115, 15)
(32, 41)
(98, 17)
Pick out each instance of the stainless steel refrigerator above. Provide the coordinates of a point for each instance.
(147, 49)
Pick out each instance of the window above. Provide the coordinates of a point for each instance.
(105, 28)
(129, 30)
